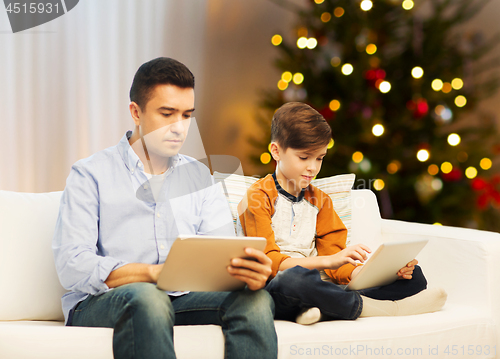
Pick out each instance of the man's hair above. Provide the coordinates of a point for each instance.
(160, 71)
(299, 126)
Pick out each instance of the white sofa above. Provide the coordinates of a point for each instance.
(465, 262)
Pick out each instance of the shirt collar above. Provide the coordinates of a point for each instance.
(291, 197)
(131, 159)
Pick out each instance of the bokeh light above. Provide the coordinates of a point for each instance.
(437, 85)
(378, 130)
(471, 172)
(433, 170)
(298, 78)
(408, 4)
(423, 155)
(454, 139)
(371, 49)
(366, 5)
(446, 167)
(265, 158)
(417, 72)
(457, 84)
(460, 101)
(485, 163)
(276, 40)
(334, 105)
(379, 184)
(385, 86)
(357, 157)
(347, 69)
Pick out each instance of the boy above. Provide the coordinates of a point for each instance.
(305, 235)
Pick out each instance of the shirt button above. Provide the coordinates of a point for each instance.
(162, 247)
(139, 164)
(158, 215)
(145, 186)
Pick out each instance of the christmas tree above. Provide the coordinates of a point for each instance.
(397, 82)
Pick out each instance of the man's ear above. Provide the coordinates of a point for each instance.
(135, 110)
(275, 151)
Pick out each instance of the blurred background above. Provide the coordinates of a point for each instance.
(408, 87)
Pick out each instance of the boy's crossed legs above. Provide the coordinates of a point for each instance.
(301, 291)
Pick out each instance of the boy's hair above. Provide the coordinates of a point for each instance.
(160, 71)
(299, 126)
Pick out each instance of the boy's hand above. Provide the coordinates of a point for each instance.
(407, 271)
(350, 254)
(253, 272)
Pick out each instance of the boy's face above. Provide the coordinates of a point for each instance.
(297, 168)
(164, 122)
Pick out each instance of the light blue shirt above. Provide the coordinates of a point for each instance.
(108, 216)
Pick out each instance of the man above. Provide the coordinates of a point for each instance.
(121, 210)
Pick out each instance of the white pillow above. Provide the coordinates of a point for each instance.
(28, 278)
(337, 187)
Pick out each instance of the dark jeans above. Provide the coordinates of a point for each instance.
(143, 318)
(297, 288)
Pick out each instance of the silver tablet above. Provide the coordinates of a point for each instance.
(199, 263)
(384, 264)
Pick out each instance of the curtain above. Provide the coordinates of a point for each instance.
(64, 84)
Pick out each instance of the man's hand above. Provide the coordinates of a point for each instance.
(350, 254)
(253, 273)
(407, 271)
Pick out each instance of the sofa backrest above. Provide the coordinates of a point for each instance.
(29, 282)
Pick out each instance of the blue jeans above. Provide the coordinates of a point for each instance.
(298, 288)
(143, 318)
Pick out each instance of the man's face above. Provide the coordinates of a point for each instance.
(164, 122)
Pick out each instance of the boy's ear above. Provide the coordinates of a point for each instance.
(275, 151)
(134, 112)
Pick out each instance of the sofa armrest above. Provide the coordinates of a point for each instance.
(465, 262)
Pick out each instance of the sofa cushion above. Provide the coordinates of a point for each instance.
(28, 278)
(337, 187)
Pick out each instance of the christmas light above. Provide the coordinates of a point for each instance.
(393, 167)
(408, 4)
(302, 42)
(439, 110)
(269, 148)
(385, 87)
(485, 163)
(330, 144)
(437, 184)
(302, 32)
(446, 167)
(471, 172)
(437, 85)
(457, 84)
(347, 69)
(334, 105)
(437, 224)
(447, 87)
(433, 170)
(379, 184)
(319, 1)
(335, 61)
(311, 43)
(298, 78)
(460, 101)
(276, 40)
(366, 5)
(446, 114)
(282, 85)
(423, 155)
(357, 157)
(417, 72)
(325, 17)
(338, 12)
(378, 130)
(286, 76)
(265, 158)
(453, 139)
(371, 49)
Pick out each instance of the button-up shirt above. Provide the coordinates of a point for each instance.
(108, 216)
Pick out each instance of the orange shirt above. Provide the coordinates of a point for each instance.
(294, 226)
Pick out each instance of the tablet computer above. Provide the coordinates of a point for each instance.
(384, 264)
(199, 263)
